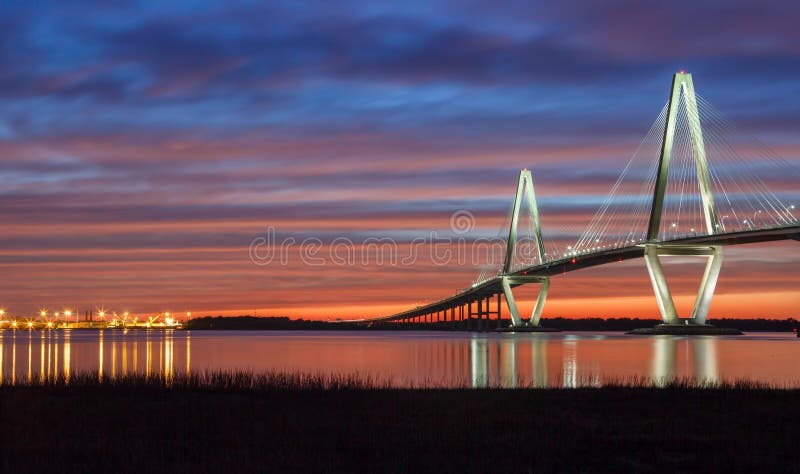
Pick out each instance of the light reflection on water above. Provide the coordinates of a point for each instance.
(405, 358)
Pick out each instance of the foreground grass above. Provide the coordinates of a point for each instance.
(293, 422)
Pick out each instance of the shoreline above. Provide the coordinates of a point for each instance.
(563, 324)
(252, 323)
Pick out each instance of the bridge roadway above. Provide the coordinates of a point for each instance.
(493, 286)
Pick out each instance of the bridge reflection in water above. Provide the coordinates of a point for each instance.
(515, 363)
(669, 352)
(404, 358)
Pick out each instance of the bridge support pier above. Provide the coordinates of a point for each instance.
(499, 311)
(696, 323)
(480, 315)
(513, 310)
(666, 304)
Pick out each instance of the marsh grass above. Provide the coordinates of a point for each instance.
(243, 381)
(297, 422)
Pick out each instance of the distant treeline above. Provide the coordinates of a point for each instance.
(263, 323)
(587, 324)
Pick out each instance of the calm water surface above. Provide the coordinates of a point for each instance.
(406, 358)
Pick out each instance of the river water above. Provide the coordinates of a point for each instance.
(407, 358)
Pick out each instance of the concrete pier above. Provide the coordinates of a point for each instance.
(686, 330)
(527, 329)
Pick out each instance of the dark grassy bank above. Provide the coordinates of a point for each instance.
(585, 324)
(265, 323)
(290, 423)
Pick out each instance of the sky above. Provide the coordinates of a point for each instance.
(146, 147)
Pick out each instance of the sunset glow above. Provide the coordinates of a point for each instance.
(142, 157)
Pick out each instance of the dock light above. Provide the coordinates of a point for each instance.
(102, 313)
(125, 314)
(67, 313)
(14, 324)
(2, 313)
(43, 313)
(30, 324)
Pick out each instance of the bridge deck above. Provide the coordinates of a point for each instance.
(569, 264)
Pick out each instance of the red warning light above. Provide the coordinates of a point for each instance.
(574, 260)
(683, 71)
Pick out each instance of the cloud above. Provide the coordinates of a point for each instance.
(144, 144)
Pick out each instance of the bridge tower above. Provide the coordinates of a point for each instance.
(683, 88)
(524, 191)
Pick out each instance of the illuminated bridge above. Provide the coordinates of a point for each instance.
(693, 186)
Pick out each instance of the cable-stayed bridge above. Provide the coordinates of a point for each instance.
(694, 185)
